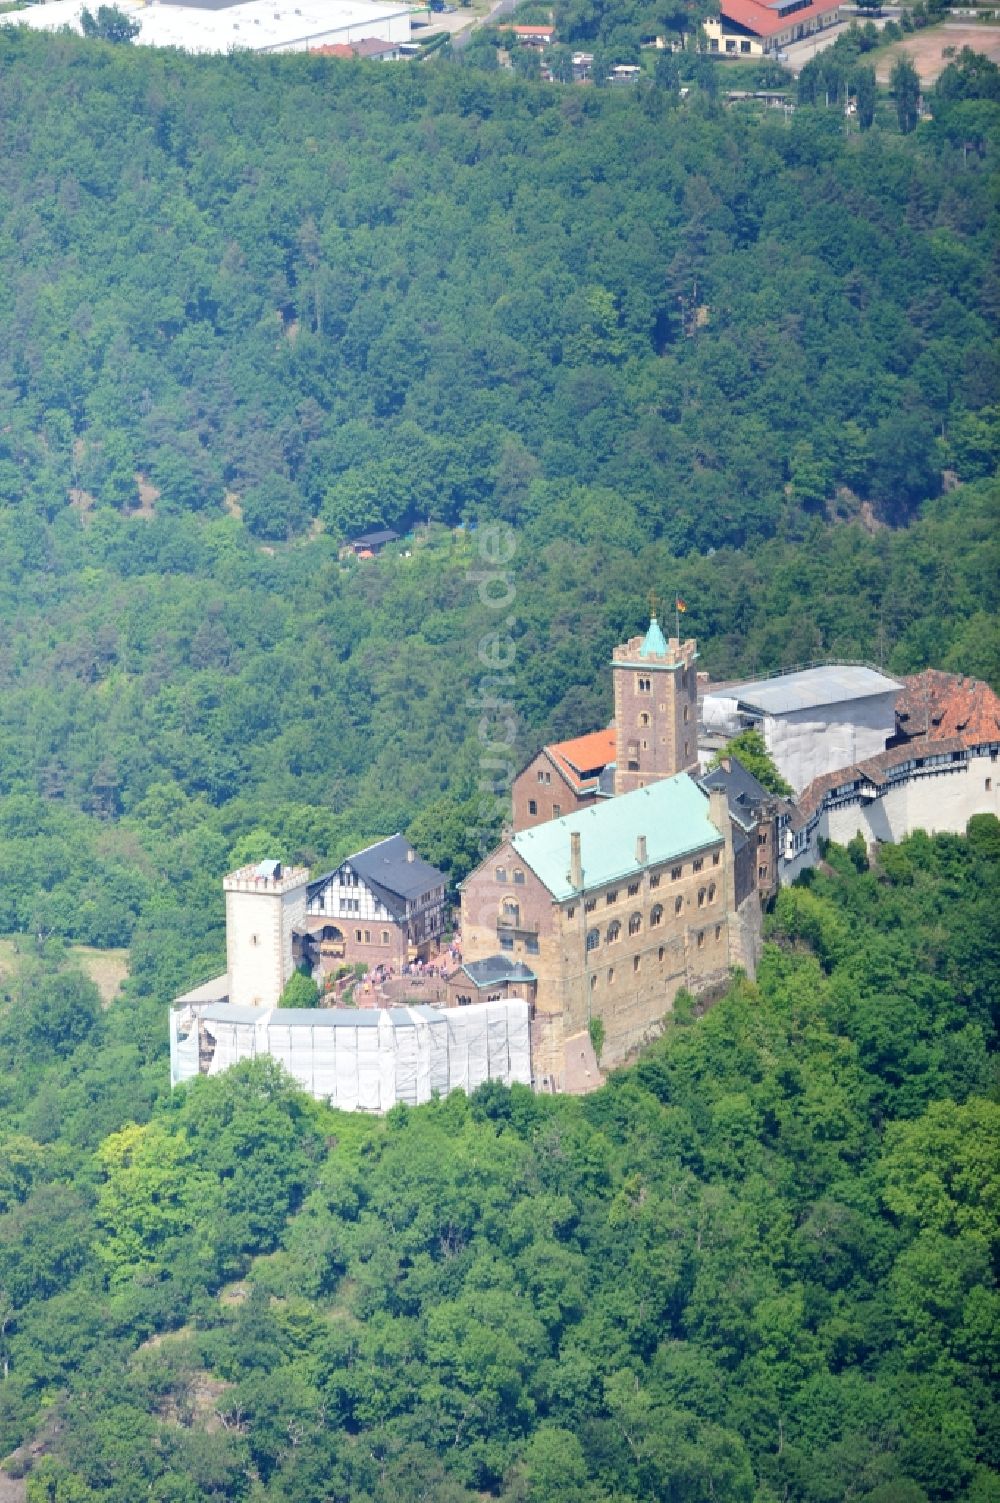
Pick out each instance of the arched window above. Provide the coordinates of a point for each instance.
(510, 911)
(711, 892)
(656, 915)
(635, 924)
(614, 932)
(678, 904)
(593, 939)
(701, 897)
(644, 718)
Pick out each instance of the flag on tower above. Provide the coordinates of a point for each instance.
(680, 604)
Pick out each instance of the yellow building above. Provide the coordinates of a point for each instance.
(747, 28)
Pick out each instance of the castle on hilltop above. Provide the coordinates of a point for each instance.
(632, 869)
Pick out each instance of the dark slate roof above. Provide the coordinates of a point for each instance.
(745, 793)
(387, 863)
(385, 869)
(375, 539)
(494, 969)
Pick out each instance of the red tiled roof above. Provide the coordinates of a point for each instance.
(940, 705)
(533, 31)
(585, 756)
(373, 47)
(765, 22)
(333, 49)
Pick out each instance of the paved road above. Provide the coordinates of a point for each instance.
(502, 8)
(797, 54)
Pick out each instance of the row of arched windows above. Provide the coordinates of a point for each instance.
(614, 929)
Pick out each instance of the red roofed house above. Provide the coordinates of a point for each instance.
(374, 48)
(564, 777)
(937, 706)
(534, 36)
(751, 28)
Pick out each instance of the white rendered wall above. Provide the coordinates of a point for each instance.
(334, 898)
(259, 942)
(383, 29)
(805, 744)
(938, 802)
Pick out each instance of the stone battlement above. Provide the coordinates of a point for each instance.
(253, 879)
(637, 650)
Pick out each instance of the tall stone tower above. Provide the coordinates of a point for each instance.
(264, 903)
(656, 708)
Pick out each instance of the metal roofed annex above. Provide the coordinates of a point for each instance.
(320, 1017)
(835, 683)
(671, 814)
(495, 969)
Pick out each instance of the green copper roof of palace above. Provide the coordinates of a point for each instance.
(672, 815)
(655, 644)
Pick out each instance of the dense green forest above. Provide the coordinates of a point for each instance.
(365, 295)
(250, 306)
(254, 303)
(756, 1266)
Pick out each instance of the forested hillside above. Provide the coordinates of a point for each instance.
(385, 295)
(249, 307)
(756, 1266)
(674, 348)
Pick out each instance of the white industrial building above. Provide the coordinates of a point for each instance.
(812, 721)
(254, 25)
(359, 1060)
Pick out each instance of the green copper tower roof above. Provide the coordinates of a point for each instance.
(655, 644)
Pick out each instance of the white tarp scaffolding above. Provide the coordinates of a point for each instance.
(361, 1060)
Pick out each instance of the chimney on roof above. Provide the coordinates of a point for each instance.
(640, 850)
(575, 861)
(726, 764)
(718, 810)
(411, 854)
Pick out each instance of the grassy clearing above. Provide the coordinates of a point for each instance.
(931, 50)
(106, 968)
